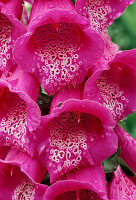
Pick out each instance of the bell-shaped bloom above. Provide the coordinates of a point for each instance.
(128, 147)
(121, 187)
(59, 46)
(19, 113)
(86, 183)
(76, 133)
(20, 176)
(10, 30)
(101, 12)
(115, 87)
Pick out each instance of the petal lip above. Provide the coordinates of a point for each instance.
(68, 16)
(86, 106)
(71, 185)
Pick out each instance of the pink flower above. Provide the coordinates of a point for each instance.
(101, 12)
(86, 183)
(76, 133)
(10, 30)
(19, 176)
(59, 46)
(110, 51)
(19, 113)
(121, 187)
(128, 147)
(30, 1)
(115, 87)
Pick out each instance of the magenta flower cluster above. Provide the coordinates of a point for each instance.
(65, 49)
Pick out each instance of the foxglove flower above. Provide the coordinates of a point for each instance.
(101, 12)
(128, 147)
(19, 113)
(87, 183)
(10, 30)
(121, 187)
(76, 133)
(19, 174)
(59, 46)
(115, 87)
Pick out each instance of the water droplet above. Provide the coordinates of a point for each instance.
(92, 139)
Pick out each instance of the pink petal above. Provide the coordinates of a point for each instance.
(30, 1)
(9, 7)
(128, 147)
(121, 187)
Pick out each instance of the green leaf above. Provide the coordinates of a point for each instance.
(74, 1)
(123, 30)
(111, 163)
(28, 7)
(126, 169)
(42, 91)
(129, 124)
